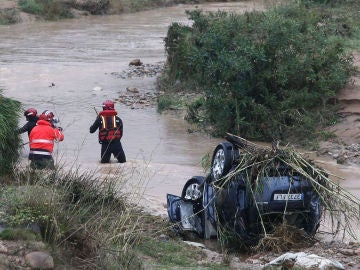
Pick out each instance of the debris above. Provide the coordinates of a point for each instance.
(135, 62)
(302, 260)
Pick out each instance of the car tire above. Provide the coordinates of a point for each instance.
(193, 189)
(222, 160)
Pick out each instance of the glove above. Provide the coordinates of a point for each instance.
(60, 128)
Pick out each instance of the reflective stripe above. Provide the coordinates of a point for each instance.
(114, 121)
(42, 141)
(103, 122)
(44, 153)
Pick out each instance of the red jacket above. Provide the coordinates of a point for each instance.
(42, 138)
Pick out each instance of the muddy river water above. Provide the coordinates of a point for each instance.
(78, 57)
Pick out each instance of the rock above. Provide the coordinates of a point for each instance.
(132, 89)
(3, 248)
(163, 237)
(302, 260)
(36, 245)
(135, 62)
(4, 261)
(39, 260)
(195, 244)
(347, 251)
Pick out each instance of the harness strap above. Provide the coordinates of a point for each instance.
(44, 153)
(42, 141)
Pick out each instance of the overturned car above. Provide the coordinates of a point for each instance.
(246, 195)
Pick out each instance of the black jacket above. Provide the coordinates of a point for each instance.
(29, 125)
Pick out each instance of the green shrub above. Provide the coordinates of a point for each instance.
(263, 75)
(19, 234)
(9, 16)
(164, 103)
(31, 6)
(9, 139)
(49, 9)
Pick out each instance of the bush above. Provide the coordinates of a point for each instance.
(263, 75)
(9, 16)
(31, 6)
(49, 9)
(9, 138)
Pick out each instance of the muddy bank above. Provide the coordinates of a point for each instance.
(345, 146)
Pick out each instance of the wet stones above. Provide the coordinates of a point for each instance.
(39, 260)
(24, 255)
(344, 154)
(135, 62)
(139, 70)
(134, 97)
(137, 100)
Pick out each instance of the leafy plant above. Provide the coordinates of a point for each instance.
(9, 138)
(9, 16)
(31, 6)
(264, 75)
(49, 9)
(164, 103)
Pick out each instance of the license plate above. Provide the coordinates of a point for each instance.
(288, 197)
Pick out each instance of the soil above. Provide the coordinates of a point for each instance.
(345, 148)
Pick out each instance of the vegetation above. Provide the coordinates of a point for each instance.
(48, 9)
(87, 222)
(60, 9)
(9, 16)
(9, 139)
(258, 164)
(264, 75)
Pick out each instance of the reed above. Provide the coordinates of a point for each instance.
(340, 208)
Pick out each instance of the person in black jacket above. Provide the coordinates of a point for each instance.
(31, 118)
(110, 133)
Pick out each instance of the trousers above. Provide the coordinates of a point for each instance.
(115, 148)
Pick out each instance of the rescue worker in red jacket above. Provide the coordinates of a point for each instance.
(31, 118)
(42, 139)
(110, 132)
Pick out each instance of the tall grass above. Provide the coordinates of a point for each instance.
(9, 139)
(340, 207)
(85, 216)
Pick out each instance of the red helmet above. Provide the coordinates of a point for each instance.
(46, 115)
(108, 105)
(31, 112)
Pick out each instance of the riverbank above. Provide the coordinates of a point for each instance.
(35, 79)
(13, 11)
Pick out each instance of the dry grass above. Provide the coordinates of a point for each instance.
(338, 205)
(86, 217)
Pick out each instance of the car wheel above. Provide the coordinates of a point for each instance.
(193, 189)
(222, 160)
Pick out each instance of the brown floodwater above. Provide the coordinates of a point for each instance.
(78, 57)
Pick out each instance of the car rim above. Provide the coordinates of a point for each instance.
(193, 192)
(218, 164)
